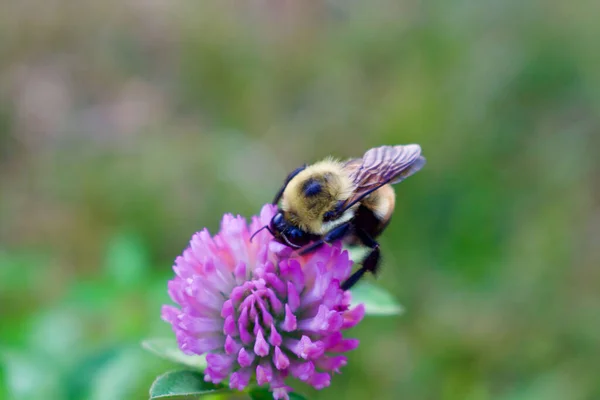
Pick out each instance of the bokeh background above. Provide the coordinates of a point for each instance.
(125, 126)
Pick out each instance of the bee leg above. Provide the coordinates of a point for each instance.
(336, 233)
(370, 263)
(287, 180)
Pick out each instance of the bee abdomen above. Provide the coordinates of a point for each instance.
(374, 214)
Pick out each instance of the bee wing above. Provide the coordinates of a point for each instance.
(383, 165)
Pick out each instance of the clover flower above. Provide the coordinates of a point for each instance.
(258, 311)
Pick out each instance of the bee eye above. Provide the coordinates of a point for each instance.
(295, 233)
(277, 219)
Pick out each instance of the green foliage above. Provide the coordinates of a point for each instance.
(183, 385)
(377, 301)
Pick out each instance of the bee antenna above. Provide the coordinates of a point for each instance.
(264, 227)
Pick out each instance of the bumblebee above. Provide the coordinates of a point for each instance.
(352, 201)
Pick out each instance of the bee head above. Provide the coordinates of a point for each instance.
(287, 233)
(311, 198)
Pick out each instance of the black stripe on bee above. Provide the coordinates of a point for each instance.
(333, 214)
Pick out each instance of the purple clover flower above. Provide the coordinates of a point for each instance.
(258, 310)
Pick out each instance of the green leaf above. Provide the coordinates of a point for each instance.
(261, 393)
(377, 301)
(168, 349)
(183, 385)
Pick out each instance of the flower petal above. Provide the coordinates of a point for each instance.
(244, 358)
(303, 370)
(240, 379)
(307, 349)
(264, 373)
(331, 363)
(274, 336)
(293, 297)
(320, 380)
(280, 360)
(289, 323)
(231, 345)
(345, 345)
(261, 347)
(353, 316)
(281, 393)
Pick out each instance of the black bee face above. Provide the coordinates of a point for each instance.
(286, 233)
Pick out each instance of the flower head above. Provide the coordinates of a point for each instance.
(257, 310)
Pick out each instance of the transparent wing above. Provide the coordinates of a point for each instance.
(382, 165)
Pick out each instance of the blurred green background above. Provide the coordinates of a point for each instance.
(125, 126)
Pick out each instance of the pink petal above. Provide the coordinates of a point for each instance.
(205, 344)
(170, 314)
(280, 394)
(353, 316)
(247, 303)
(276, 283)
(307, 349)
(266, 315)
(332, 340)
(280, 360)
(231, 346)
(293, 297)
(219, 362)
(199, 290)
(257, 326)
(240, 379)
(213, 376)
(264, 373)
(244, 358)
(320, 380)
(292, 271)
(229, 327)
(320, 283)
(345, 345)
(333, 295)
(219, 367)
(274, 337)
(325, 320)
(238, 294)
(227, 309)
(280, 249)
(342, 266)
(331, 363)
(261, 347)
(289, 323)
(303, 371)
(243, 327)
(276, 304)
(269, 268)
(199, 325)
(240, 271)
(266, 213)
